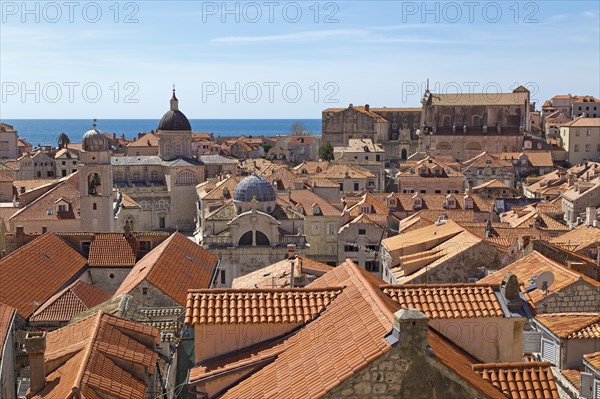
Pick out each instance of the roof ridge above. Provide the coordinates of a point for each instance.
(504, 365)
(88, 351)
(442, 285)
(38, 238)
(265, 289)
(382, 300)
(59, 183)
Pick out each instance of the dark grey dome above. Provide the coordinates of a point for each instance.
(93, 140)
(174, 119)
(254, 186)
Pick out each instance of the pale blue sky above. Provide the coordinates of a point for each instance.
(376, 52)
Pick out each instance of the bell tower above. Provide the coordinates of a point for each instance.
(95, 183)
(174, 133)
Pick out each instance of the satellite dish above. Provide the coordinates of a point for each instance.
(544, 280)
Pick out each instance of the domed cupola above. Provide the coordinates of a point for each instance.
(174, 119)
(254, 187)
(94, 141)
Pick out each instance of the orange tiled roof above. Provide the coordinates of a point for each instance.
(355, 322)
(112, 249)
(90, 357)
(572, 325)
(534, 264)
(572, 376)
(76, 298)
(447, 301)
(176, 265)
(278, 274)
(521, 380)
(592, 358)
(249, 306)
(34, 272)
(6, 318)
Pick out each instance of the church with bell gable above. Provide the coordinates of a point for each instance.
(144, 192)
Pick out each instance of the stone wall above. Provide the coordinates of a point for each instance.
(580, 297)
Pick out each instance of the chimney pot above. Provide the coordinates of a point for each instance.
(44, 229)
(35, 345)
(291, 248)
(20, 236)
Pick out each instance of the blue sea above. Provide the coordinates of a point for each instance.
(45, 131)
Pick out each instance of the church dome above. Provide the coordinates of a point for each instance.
(93, 140)
(254, 186)
(174, 119)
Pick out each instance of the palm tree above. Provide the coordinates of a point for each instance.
(63, 140)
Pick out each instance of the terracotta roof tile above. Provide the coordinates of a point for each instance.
(521, 380)
(112, 249)
(89, 357)
(176, 265)
(532, 265)
(278, 274)
(348, 335)
(572, 325)
(447, 301)
(36, 271)
(580, 237)
(76, 298)
(249, 306)
(593, 359)
(572, 376)
(6, 318)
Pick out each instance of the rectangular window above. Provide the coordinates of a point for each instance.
(4, 146)
(145, 291)
(588, 147)
(355, 186)
(315, 228)
(85, 247)
(62, 208)
(341, 186)
(362, 232)
(372, 266)
(331, 229)
(223, 277)
(94, 206)
(576, 147)
(64, 162)
(161, 222)
(350, 248)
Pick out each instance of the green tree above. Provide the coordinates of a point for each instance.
(326, 152)
(63, 140)
(298, 128)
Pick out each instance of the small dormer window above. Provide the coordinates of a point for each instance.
(365, 209)
(315, 209)
(417, 202)
(392, 203)
(468, 202)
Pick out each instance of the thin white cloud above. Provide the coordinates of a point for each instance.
(291, 37)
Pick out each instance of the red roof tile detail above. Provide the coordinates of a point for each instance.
(175, 266)
(76, 298)
(447, 301)
(36, 271)
(88, 357)
(592, 358)
(521, 380)
(572, 325)
(247, 306)
(112, 249)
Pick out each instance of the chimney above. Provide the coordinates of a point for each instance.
(20, 236)
(509, 287)
(525, 242)
(115, 136)
(367, 107)
(291, 248)
(127, 230)
(590, 215)
(44, 229)
(410, 332)
(570, 179)
(35, 345)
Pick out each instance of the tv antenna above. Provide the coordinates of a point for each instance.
(543, 281)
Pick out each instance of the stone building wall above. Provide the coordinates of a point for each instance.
(580, 297)
(108, 278)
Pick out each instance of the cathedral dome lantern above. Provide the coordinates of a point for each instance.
(94, 141)
(174, 119)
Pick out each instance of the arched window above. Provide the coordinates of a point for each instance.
(136, 176)
(186, 177)
(129, 222)
(154, 176)
(245, 239)
(119, 176)
(93, 183)
(404, 154)
(262, 239)
(162, 204)
(145, 205)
